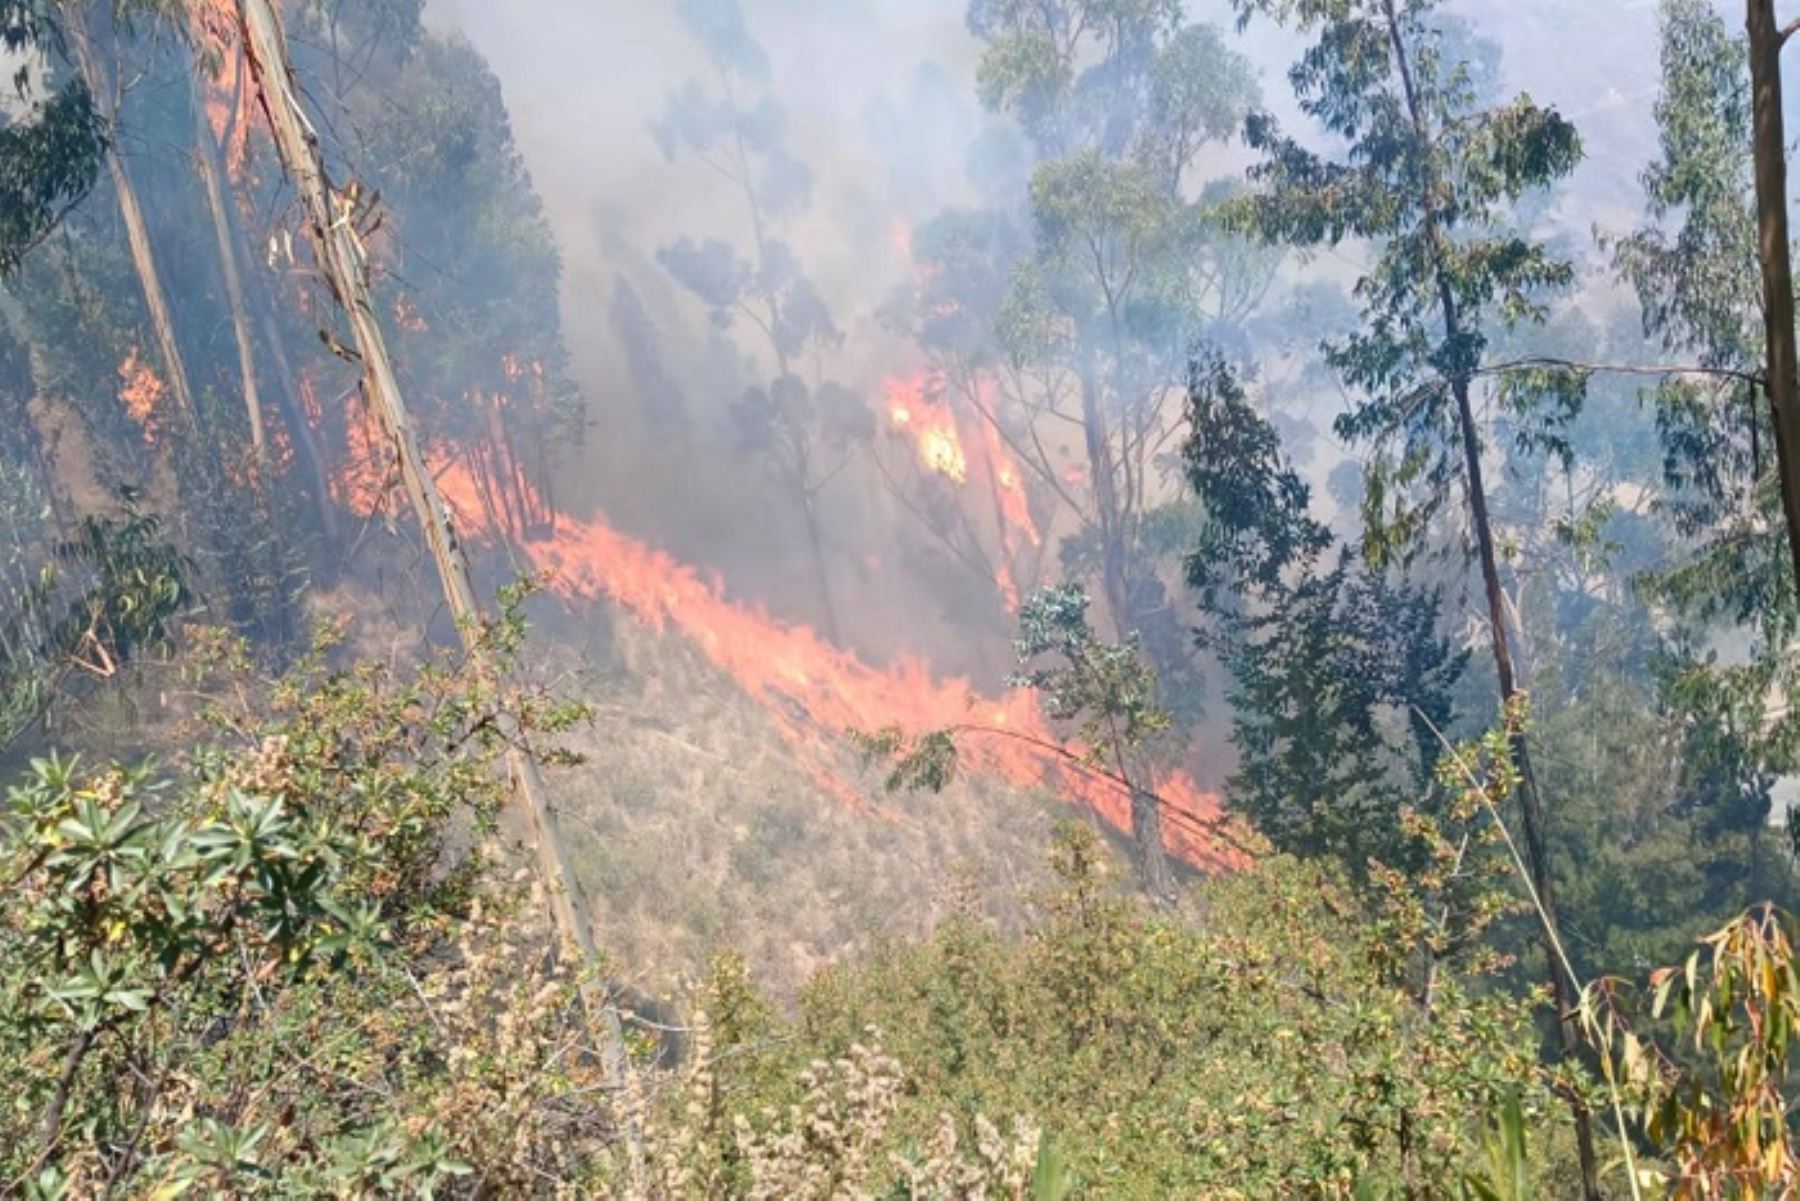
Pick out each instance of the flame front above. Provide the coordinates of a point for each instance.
(815, 692)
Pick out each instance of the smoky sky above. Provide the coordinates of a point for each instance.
(880, 102)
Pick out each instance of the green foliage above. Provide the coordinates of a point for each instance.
(1104, 693)
(285, 944)
(1259, 1053)
(1129, 267)
(1341, 680)
(50, 152)
(1429, 176)
(98, 601)
(1728, 1130)
(1105, 690)
(928, 762)
(1695, 271)
(47, 165)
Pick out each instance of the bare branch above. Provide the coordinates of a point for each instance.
(1748, 377)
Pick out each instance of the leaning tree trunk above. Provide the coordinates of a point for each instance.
(1530, 807)
(232, 256)
(1781, 379)
(340, 257)
(137, 232)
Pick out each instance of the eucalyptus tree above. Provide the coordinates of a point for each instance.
(1128, 265)
(52, 143)
(1428, 176)
(800, 422)
(1694, 267)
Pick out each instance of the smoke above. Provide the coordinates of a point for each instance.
(881, 116)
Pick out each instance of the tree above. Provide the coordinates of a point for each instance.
(1128, 266)
(799, 421)
(50, 154)
(1427, 177)
(103, 79)
(1781, 377)
(1341, 679)
(1694, 269)
(339, 254)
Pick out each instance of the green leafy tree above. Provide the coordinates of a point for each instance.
(1103, 694)
(1129, 264)
(1694, 270)
(1341, 679)
(50, 153)
(1428, 176)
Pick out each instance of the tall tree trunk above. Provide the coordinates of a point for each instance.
(206, 158)
(1537, 854)
(137, 232)
(1782, 376)
(1530, 807)
(340, 256)
(1148, 847)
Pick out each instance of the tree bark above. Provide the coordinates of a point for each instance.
(137, 232)
(340, 256)
(1781, 380)
(206, 157)
(1530, 807)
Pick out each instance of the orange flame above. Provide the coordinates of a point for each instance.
(919, 415)
(362, 483)
(227, 100)
(815, 692)
(1015, 506)
(141, 391)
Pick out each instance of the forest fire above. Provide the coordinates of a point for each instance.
(816, 693)
(1009, 489)
(227, 99)
(930, 425)
(362, 484)
(141, 391)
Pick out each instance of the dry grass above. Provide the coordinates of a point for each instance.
(694, 829)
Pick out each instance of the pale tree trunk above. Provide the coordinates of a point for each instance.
(1781, 380)
(137, 233)
(232, 256)
(206, 158)
(1530, 806)
(341, 258)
